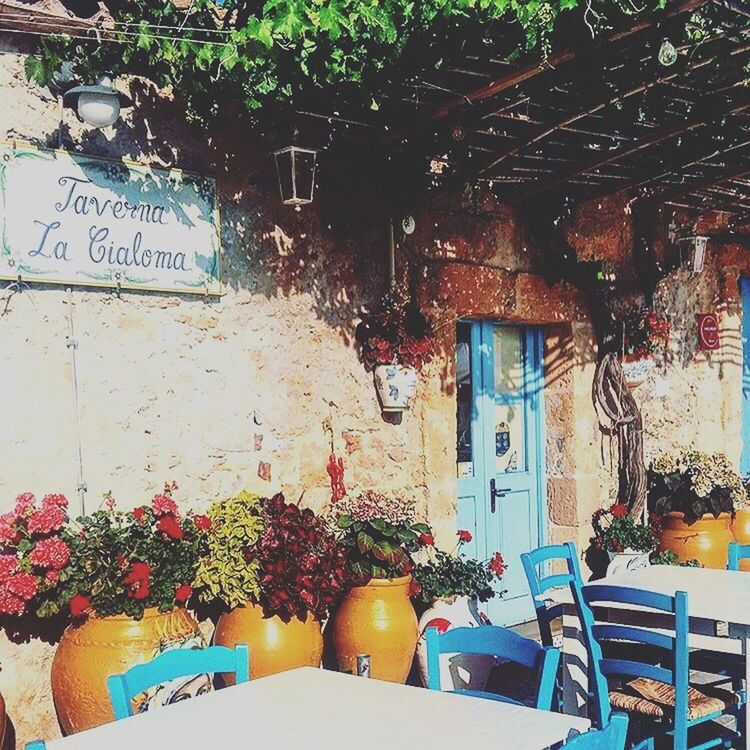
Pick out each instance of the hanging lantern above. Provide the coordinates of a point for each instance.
(99, 105)
(296, 169)
(697, 252)
(667, 53)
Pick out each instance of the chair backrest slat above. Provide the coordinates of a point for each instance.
(633, 634)
(612, 737)
(539, 581)
(737, 552)
(499, 642)
(180, 662)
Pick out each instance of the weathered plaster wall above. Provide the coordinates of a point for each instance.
(227, 394)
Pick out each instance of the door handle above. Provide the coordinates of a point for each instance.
(496, 493)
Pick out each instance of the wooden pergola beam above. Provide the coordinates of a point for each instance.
(709, 112)
(516, 77)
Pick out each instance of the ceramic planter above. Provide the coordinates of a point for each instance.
(707, 540)
(102, 646)
(741, 531)
(635, 371)
(275, 645)
(396, 386)
(457, 671)
(619, 562)
(377, 619)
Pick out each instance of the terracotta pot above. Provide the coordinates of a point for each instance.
(396, 386)
(275, 645)
(707, 540)
(379, 620)
(741, 531)
(457, 671)
(102, 646)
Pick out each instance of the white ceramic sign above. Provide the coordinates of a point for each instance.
(67, 218)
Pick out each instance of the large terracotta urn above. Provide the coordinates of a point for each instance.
(706, 540)
(377, 619)
(275, 645)
(93, 650)
(741, 531)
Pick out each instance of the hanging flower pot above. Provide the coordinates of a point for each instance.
(396, 386)
(635, 371)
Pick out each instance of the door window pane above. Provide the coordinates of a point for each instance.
(464, 401)
(508, 359)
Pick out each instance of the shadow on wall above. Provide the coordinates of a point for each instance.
(334, 252)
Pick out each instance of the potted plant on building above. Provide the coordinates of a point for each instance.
(125, 585)
(627, 541)
(645, 334)
(396, 343)
(277, 570)
(450, 586)
(376, 617)
(694, 495)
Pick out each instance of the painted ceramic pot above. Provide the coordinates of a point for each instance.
(102, 646)
(457, 671)
(619, 562)
(379, 620)
(635, 371)
(396, 386)
(706, 540)
(741, 531)
(275, 645)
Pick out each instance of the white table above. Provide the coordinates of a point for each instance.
(718, 607)
(313, 709)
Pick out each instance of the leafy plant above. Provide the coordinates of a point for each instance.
(273, 554)
(397, 334)
(123, 562)
(226, 572)
(33, 555)
(615, 530)
(694, 483)
(645, 334)
(380, 535)
(284, 51)
(667, 557)
(450, 574)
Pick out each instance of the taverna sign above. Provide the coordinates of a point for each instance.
(72, 219)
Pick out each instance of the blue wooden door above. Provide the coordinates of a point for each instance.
(745, 458)
(500, 452)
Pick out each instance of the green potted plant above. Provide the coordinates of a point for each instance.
(125, 585)
(276, 570)
(694, 495)
(627, 541)
(449, 586)
(376, 617)
(396, 343)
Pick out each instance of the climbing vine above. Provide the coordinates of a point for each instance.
(279, 52)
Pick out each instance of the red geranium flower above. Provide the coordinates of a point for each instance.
(79, 605)
(139, 514)
(137, 580)
(427, 539)
(46, 520)
(170, 526)
(51, 553)
(618, 510)
(463, 535)
(183, 593)
(163, 505)
(10, 604)
(497, 564)
(202, 523)
(23, 585)
(8, 566)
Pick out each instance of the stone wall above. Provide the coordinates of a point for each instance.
(232, 393)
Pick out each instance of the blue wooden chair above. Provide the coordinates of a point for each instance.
(539, 583)
(501, 643)
(658, 696)
(36, 745)
(612, 737)
(180, 662)
(737, 552)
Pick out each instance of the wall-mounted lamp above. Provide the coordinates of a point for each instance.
(98, 105)
(697, 248)
(295, 167)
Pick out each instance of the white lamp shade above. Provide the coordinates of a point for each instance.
(97, 109)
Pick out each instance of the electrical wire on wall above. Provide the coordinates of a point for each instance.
(72, 345)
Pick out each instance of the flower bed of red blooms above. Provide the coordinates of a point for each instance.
(303, 569)
(645, 334)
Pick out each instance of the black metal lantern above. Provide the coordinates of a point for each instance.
(296, 169)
